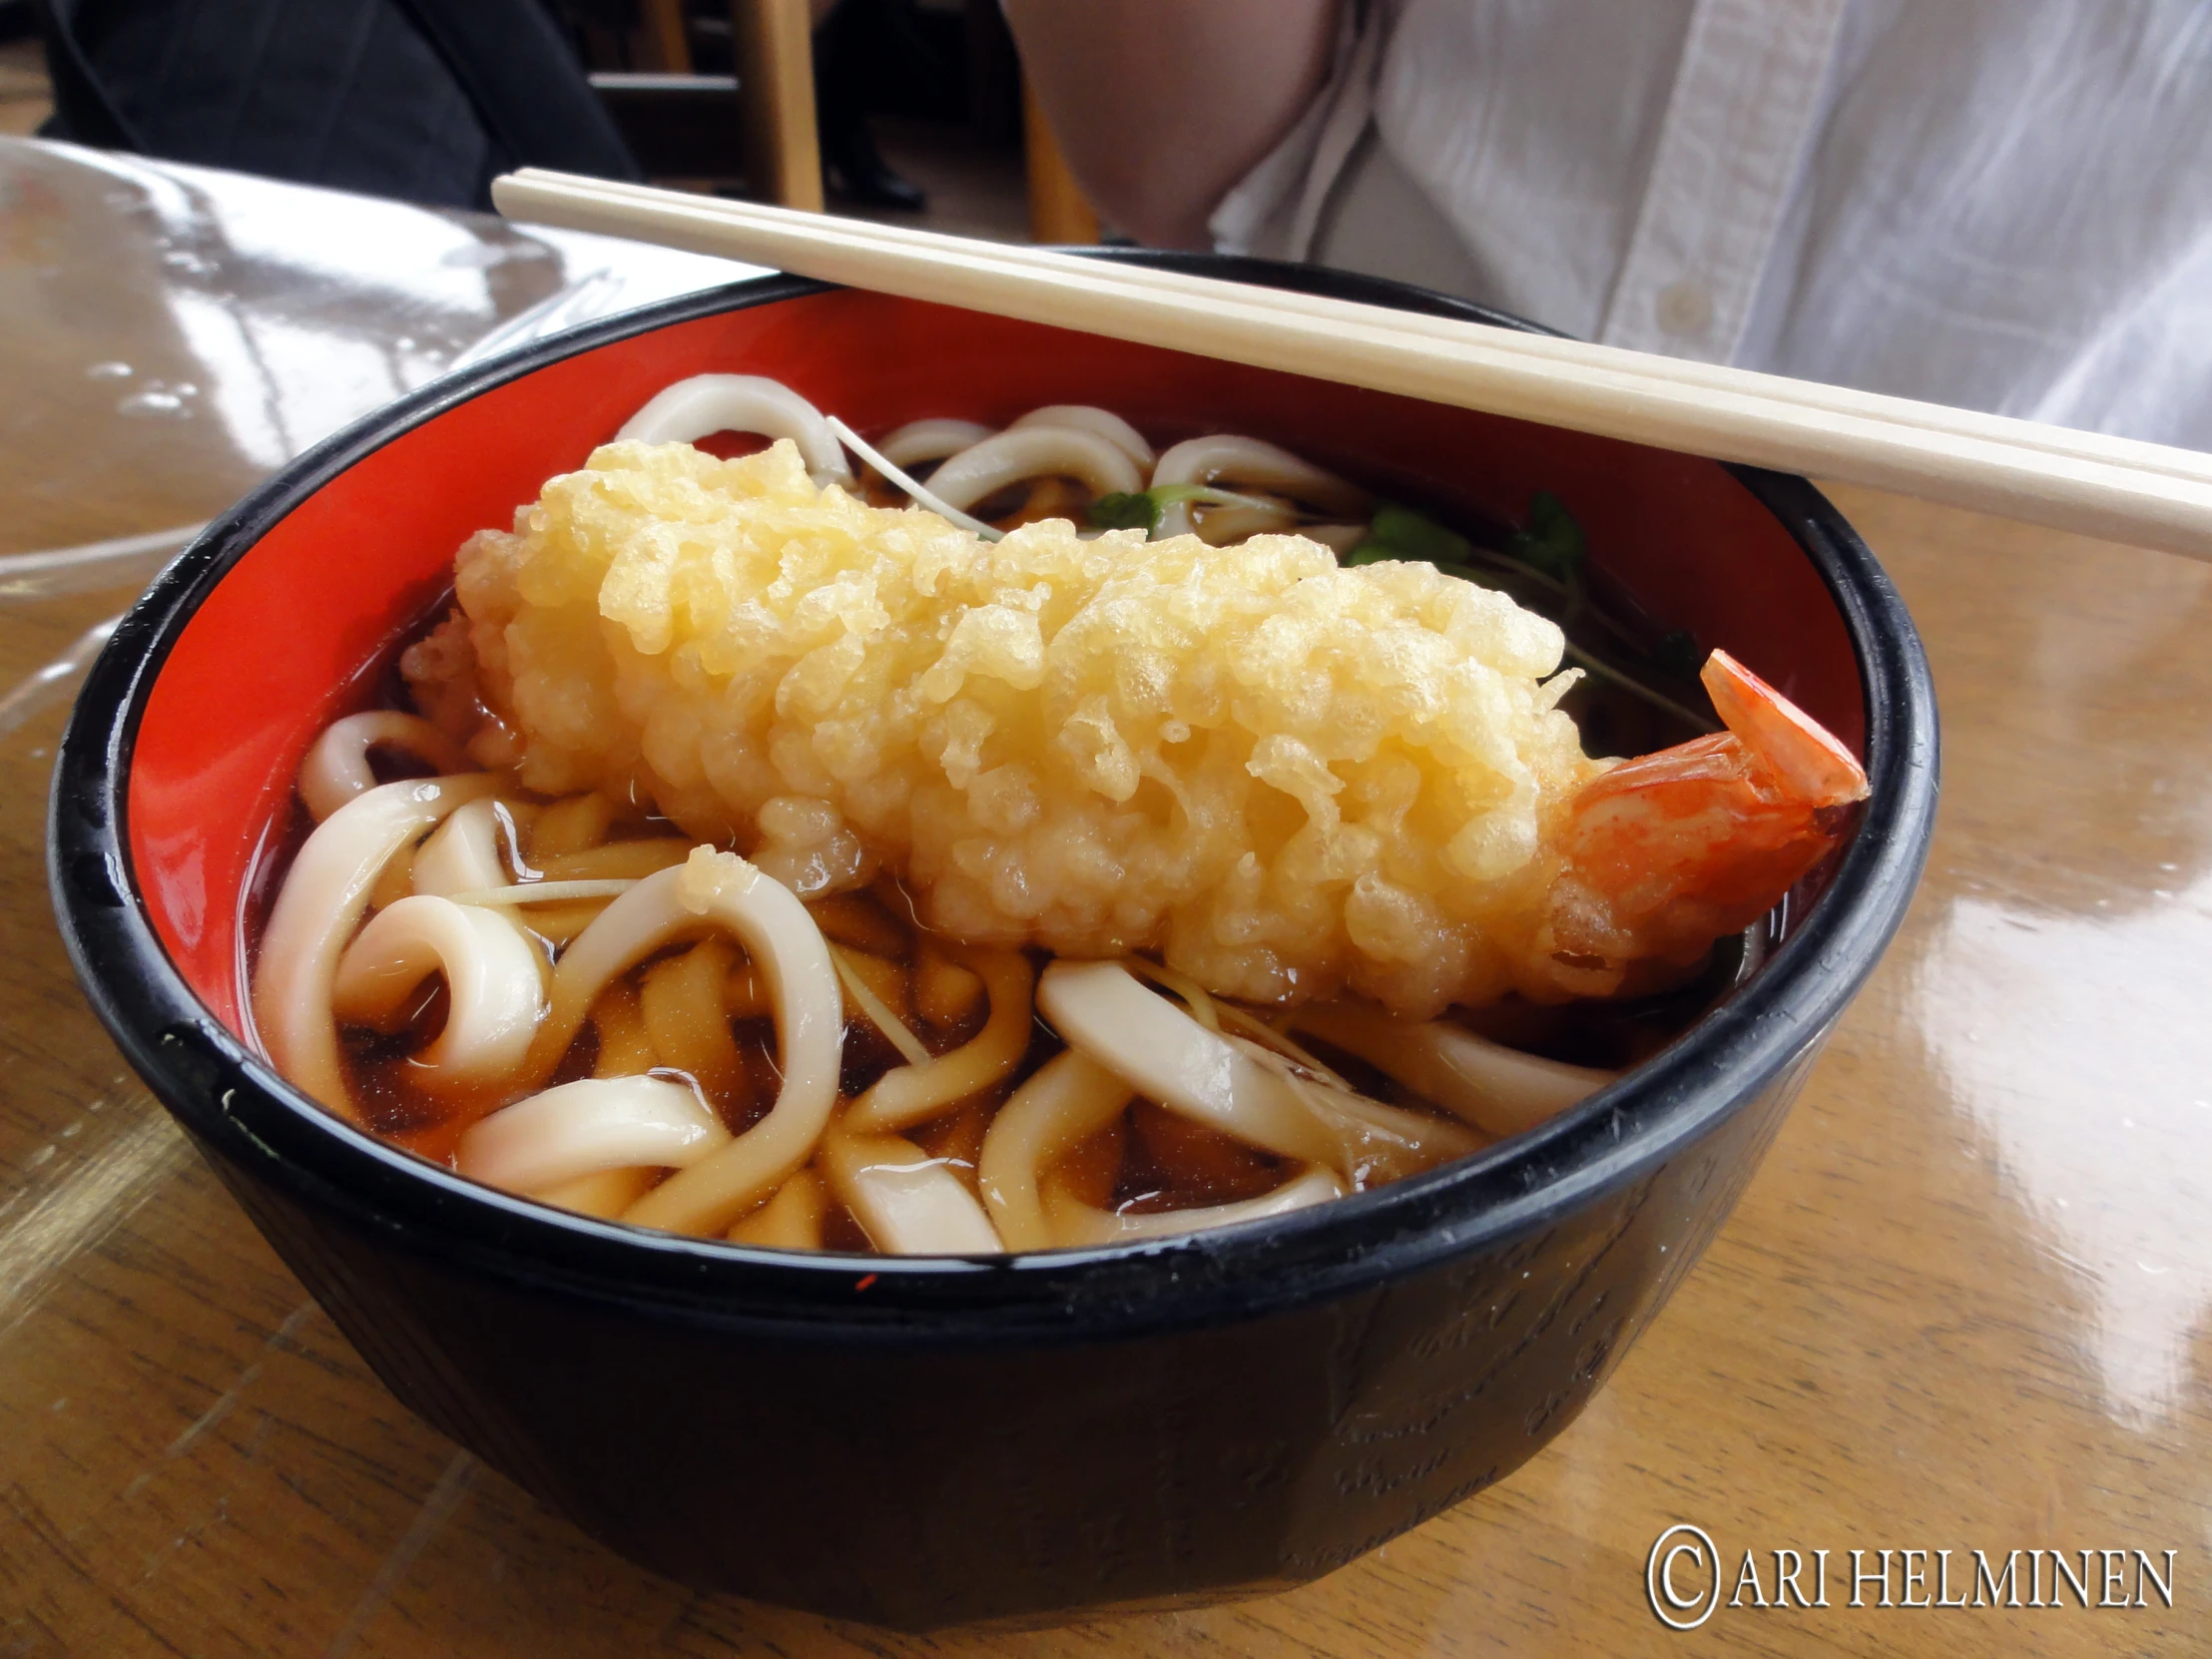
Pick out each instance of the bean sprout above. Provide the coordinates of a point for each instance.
(547, 892)
(878, 1014)
(919, 494)
(1499, 1090)
(1375, 1142)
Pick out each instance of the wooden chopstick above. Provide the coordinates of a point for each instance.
(2111, 487)
(2059, 441)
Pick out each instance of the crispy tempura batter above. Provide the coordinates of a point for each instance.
(1289, 776)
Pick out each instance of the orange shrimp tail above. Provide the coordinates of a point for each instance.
(1802, 753)
(1670, 852)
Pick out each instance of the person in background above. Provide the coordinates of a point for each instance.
(857, 45)
(416, 100)
(2003, 204)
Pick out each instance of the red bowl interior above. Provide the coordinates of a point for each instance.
(294, 633)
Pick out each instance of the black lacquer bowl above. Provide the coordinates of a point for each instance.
(924, 1441)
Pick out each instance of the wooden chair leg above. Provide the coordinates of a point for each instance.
(775, 89)
(665, 36)
(1058, 210)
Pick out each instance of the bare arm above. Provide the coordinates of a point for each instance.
(1161, 104)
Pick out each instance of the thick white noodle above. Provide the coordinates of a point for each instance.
(910, 1202)
(790, 1220)
(1256, 465)
(336, 767)
(462, 853)
(316, 914)
(645, 917)
(1242, 520)
(1103, 1010)
(1086, 417)
(720, 889)
(491, 980)
(584, 1128)
(1069, 1099)
(605, 1195)
(919, 441)
(911, 1094)
(1076, 1223)
(709, 403)
(1499, 1090)
(1035, 452)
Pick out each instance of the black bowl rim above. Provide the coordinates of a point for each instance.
(237, 1107)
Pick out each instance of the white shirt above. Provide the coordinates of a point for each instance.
(2001, 204)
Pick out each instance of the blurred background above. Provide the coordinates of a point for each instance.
(907, 109)
(2001, 204)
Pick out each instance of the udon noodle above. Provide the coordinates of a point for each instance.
(1228, 856)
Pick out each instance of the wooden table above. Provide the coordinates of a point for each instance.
(1962, 1306)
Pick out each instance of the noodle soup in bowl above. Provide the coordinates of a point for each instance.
(928, 1439)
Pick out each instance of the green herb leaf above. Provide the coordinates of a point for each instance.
(1404, 534)
(1143, 509)
(1550, 541)
(1170, 495)
(1125, 510)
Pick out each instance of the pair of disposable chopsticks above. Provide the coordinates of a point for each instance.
(2118, 488)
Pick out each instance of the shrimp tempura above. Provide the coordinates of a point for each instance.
(1289, 777)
